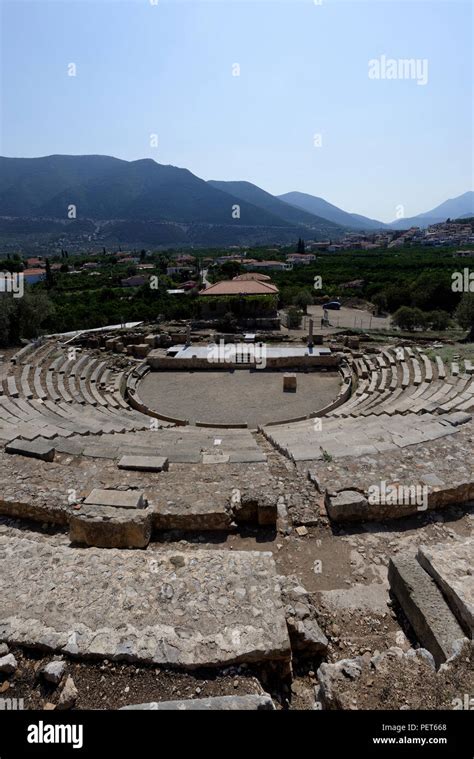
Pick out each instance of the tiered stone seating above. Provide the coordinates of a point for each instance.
(440, 367)
(303, 441)
(46, 395)
(76, 406)
(399, 383)
(189, 445)
(24, 382)
(68, 401)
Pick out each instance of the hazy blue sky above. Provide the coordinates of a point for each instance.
(166, 69)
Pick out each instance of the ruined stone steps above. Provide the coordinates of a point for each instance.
(210, 501)
(64, 419)
(195, 445)
(357, 436)
(425, 607)
(79, 380)
(399, 381)
(451, 565)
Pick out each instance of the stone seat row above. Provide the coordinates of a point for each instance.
(87, 380)
(329, 437)
(396, 382)
(193, 446)
(422, 398)
(31, 419)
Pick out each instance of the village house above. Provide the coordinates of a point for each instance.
(137, 280)
(239, 298)
(298, 259)
(269, 265)
(185, 260)
(170, 270)
(35, 263)
(129, 260)
(252, 275)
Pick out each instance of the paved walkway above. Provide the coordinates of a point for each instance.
(183, 608)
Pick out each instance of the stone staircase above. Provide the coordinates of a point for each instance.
(435, 590)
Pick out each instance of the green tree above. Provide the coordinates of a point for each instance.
(230, 269)
(380, 302)
(397, 296)
(33, 310)
(439, 320)
(7, 310)
(228, 323)
(300, 248)
(302, 300)
(465, 314)
(23, 317)
(49, 275)
(294, 317)
(409, 319)
(432, 288)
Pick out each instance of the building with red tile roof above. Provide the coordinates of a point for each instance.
(252, 275)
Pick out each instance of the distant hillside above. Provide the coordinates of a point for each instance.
(258, 197)
(106, 189)
(147, 202)
(322, 208)
(462, 205)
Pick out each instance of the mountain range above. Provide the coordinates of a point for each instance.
(146, 202)
(321, 207)
(454, 208)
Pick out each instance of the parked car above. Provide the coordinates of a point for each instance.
(334, 305)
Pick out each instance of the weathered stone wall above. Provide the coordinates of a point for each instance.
(157, 361)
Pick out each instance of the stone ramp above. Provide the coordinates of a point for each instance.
(452, 568)
(187, 609)
(425, 607)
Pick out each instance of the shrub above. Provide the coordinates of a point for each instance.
(439, 320)
(302, 300)
(409, 319)
(294, 317)
(465, 314)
